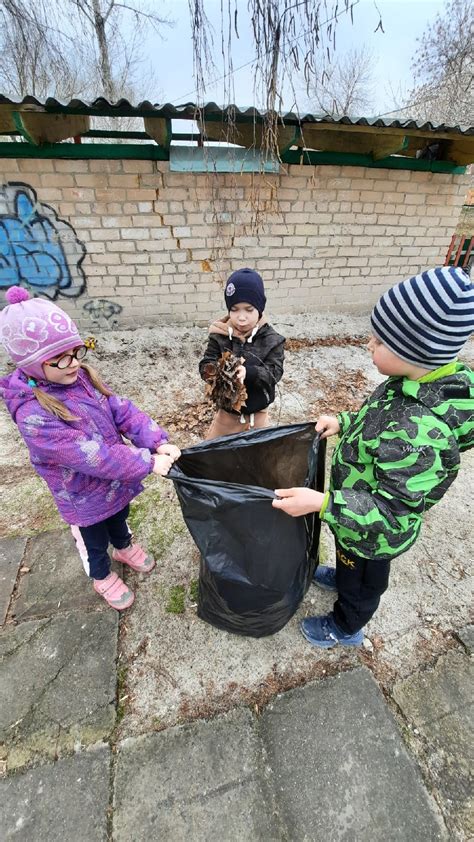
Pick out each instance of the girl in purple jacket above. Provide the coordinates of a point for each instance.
(73, 426)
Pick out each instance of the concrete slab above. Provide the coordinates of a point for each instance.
(438, 704)
(466, 636)
(199, 782)
(340, 767)
(11, 554)
(56, 581)
(58, 685)
(59, 801)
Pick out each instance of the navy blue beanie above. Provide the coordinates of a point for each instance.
(427, 319)
(245, 286)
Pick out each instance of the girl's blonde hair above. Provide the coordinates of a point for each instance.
(57, 408)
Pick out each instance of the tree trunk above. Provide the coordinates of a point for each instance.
(104, 58)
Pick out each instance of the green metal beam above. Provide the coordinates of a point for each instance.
(17, 119)
(106, 151)
(191, 136)
(119, 134)
(350, 159)
(154, 152)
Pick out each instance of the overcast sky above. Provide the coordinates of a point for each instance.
(171, 57)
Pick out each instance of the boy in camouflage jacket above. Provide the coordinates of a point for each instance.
(398, 454)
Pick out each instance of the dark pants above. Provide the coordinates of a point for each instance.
(113, 530)
(360, 584)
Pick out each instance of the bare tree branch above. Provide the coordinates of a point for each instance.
(444, 68)
(37, 37)
(345, 86)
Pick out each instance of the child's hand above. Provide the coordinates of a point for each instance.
(240, 372)
(162, 464)
(327, 425)
(170, 450)
(298, 501)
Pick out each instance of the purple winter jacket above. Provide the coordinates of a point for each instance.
(90, 471)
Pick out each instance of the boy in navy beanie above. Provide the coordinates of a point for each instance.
(398, 455)
(246, 333)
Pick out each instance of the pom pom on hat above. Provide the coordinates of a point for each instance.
(16, 294)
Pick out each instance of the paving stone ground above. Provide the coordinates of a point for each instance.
(58, 802)
(334, 760)
(438, 705)
(202, 782)
(58, 685)
(341, 768)
(11, 554)
(55, 580)
(466, 636)
(325, 762)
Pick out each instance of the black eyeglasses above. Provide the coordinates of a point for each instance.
(66, 360)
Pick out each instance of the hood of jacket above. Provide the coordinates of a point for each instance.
(221, 327)
(14, 390)
(451, 398)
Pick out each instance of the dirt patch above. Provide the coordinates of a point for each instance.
(341, 391)
(188, 418)
(257, 698)
(13, 474)
(325, 342)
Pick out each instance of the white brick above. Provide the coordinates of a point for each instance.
(135, 233)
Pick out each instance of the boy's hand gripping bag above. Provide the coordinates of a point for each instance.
(256, 562)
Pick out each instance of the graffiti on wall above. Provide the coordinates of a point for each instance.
(102, 313)
(37, 249)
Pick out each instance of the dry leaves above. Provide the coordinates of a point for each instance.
(345, 391)
(325, 342)
(223, 387)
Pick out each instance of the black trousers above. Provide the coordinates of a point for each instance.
(360, 584)
(113, 530)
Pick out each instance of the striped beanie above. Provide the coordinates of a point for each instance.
(427, 319)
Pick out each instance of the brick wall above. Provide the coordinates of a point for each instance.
(159, 244)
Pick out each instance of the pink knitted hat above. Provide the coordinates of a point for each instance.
(33, 330)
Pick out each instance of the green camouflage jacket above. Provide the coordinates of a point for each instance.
(396, 457)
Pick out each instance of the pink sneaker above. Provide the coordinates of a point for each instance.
(135, 557)
(115, 591)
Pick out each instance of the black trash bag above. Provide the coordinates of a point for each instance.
(256, 562)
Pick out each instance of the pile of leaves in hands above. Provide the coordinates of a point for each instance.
(223, 387)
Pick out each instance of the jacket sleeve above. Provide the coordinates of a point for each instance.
(404, 475)
(345, 419)
(211, 355)
(55, 442)
(136, 425)
(268, 371)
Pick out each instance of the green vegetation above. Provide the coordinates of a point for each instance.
(122, 673)
(194, 590)
(155, 519)
(175, 603)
